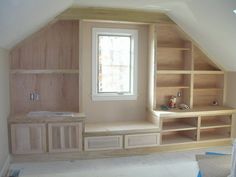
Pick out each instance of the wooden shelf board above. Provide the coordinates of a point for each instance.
(215, 126)
(174, 72)
(207, 89)
(44, 71)
(208, 72)
(177, 126)
(196, 111)
(120, 127)
(173, 87)
(176, 139)
(173, 48)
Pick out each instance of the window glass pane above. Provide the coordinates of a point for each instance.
(114, 64)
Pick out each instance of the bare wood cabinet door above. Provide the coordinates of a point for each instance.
(28, 138)
(65, 137)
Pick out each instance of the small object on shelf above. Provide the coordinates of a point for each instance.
(179, 94)
(172, 102)
(164, 107)
(183, 106)
(215, 103)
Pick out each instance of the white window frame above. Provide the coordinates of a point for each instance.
(134, 64)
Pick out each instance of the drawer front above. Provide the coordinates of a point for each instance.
(103, 143)
(142, 140)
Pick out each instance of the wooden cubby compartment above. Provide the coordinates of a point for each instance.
(170, 84)
(174, 49)
(215, 133)
(177, 137)
(208, 88)
(179, 124)
(202, 62)
(208, 122)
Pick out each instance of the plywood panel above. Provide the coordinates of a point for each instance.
(112, 14)
(56, 47)
(173, 80)
(208, 81)
(170, 35)
(207, 100)
(57, 92)
(171, 60)
(202, 62)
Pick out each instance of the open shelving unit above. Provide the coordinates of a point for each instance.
(181, 67)
(183, 70)
(195, 129)
(179, 137)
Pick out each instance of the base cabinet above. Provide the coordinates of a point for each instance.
(65, 137)
(28, 138)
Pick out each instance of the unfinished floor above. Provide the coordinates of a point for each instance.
(168, 164)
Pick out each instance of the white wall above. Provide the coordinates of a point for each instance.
(106, 111)
(231, 95)
(4, 105)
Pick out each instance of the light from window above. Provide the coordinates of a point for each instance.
(114, 64)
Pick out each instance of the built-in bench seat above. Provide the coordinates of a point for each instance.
(124, 127)
(120, 135)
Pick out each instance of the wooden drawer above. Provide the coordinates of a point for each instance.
(103, 143)
(142, 140)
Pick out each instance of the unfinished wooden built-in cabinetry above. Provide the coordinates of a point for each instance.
(182, 70)
(45, 77)
(45, 70)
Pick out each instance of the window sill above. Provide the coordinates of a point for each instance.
(114, 98)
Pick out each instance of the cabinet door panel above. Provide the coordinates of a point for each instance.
(65, 137)
(142, 140)
(28, 138)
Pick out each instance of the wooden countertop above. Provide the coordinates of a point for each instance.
(197, 111)
(24, 118)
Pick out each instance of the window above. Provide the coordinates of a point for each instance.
(114, 64)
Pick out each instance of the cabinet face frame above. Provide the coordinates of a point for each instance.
(26, 138)
(61, 126)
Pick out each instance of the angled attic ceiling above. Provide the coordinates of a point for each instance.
(211, 23)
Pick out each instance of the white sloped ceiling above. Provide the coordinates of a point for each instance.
(21, 18)
(211, 23)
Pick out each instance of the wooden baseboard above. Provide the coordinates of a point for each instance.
(116, 153)
(5, 167)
